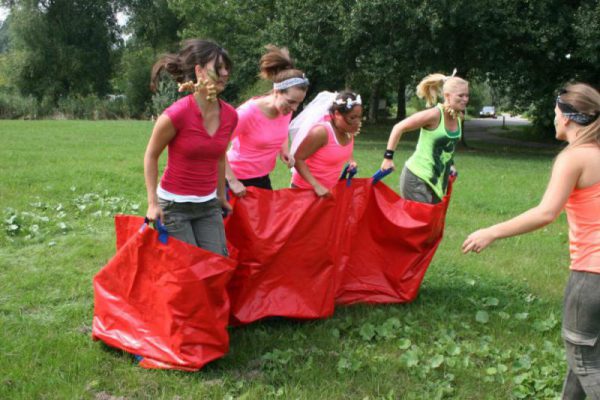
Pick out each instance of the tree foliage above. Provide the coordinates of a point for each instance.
(525, 50)
(536, 55)
(65, 46)
(152, 28)
(240, 26)
(152, 24)
(313, 32)
(4, 35)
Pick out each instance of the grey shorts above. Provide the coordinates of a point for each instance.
(199, 224)
(581, 333)
(416, 189)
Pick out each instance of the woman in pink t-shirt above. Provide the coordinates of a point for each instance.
(328, 145)
(575, 186)
(262, 130)
(196, 129)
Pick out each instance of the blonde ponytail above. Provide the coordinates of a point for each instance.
(430, 88)
(433, 86)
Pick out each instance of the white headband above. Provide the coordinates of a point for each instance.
(349, 102)
(288, 83)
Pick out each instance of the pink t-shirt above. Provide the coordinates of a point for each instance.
(256, 141)
(193, 153)
(326, 164)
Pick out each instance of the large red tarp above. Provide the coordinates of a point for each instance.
(164, 302)
(295, 255)
(298, 255)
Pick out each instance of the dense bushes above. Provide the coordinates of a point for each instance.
(15, 106)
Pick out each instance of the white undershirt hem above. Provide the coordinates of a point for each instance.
(178, 198)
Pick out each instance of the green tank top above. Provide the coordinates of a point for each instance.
(434, 155)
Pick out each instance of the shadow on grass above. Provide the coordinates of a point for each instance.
(117, 353)
(448, 300)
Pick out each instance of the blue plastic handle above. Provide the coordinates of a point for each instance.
(380, 174)
(348, 173)
(163, 235)
(344, 174)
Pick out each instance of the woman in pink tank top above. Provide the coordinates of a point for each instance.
(575, 186)
(320, 157)
(262, 130)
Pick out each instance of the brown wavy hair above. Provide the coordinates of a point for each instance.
(276, 65)
(181, 65)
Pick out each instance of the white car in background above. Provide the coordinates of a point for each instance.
(487, 112)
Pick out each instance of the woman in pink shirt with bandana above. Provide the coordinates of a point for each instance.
(262, 130)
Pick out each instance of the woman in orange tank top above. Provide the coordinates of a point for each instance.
(574, 186)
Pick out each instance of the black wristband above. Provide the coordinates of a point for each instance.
(388, 155)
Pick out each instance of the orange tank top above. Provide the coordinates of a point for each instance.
(583, 214)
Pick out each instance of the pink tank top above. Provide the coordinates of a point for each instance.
(583, 214)
(256, 141)
(326, 164)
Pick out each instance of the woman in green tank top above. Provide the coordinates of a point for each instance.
(425, 175)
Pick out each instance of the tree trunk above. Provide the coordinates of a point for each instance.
(401, 112)
(374, 104)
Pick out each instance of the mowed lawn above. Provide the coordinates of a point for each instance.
(483, 326)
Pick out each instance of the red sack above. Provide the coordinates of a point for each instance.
(126, 226)
(285, 265)
(393, 244)
(298, 254)
(164, 302)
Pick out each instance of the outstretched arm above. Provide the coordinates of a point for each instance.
(565, 174)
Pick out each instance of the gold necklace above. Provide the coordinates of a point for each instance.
(451, 111)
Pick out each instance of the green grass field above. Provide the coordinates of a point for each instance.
(483, 326)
